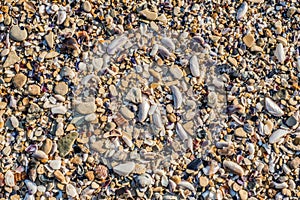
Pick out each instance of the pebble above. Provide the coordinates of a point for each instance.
(47, 146)
(87, 6)
(55, 164)
(277, 135)
(61, 88)
(50, 39)
(234, 167)
(34, 90)
(31, 186)
(150, 15)
(239, 132)
(17, 33)
(65, 144)
(59, 176)
(126, 113)
(19, 80)
(243, 194)
(14, 121)
(124, 169)
(249, 40)
(86, 108)
(9, 178)
(203, 180)
(273, 108)
(11, 59)
(59, 110)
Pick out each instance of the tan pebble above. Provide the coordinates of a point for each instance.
(50, 39)
(34, 90)
(61, 88)
(232, 61)
(172, 117)
(243, 194)
(47, 146)
(60, 186)
(249, 40)
(256, 48)
(176, 179)
(149, 14)
(19, 80)
(90, 175)
(59, 176)
(236, 187)
(239, 132)
(234, 167)
(203, 180)
(87, 7)
(282, 40)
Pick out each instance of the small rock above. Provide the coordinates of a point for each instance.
(162, 18)
(61, 88)
(68, 72)
(86, 108)
(232, 61)
(34, 90)
(87, 6)
(59, 110)
(243, 194)
(40, 155)
(65, 144)
(47, 146)
(176, 72)
(11, 59)
(9, 178)
(249, 40)
(203, 180)
(239, 132)
(4, 52)
(14, 121)
(101, 172)
(59, 176)
(149, 14)
(124, 169)
(51, 54)
(291, 121)
(126, 113)
(31, 186)
(295, 163)
(195, 164)
(50, 39)
(90, 175)
(71, 190)
(256, 48)
(19, 80)
(55, 164)
(17, 33)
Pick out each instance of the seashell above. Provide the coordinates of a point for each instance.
(40, 155)
(156, 118)
(101, 172)
(273, 108)
(163, 51)
(9, 178)
(234, 167)
(20, 176)
(181, 132)
(279, 53)
(143, 111)
(177, 97)
(61, 16)
(187, 185)
(242, 10)
(194, 66)
(154, 50)
(280, 185)
(31, 186)
(124, 169)
(120, 120)
(127, 141)
(145, 180)
(71, 190)
(168, 43)
(116, 44)
(277, 135)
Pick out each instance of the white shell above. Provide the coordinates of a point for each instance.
(143, 111)
(277, 135)
(9, 178)
(177, 97)
(279, 53)
(71, 190)
(242, 10)
(234, 167)
(124, 169)
(194, 66)
(273, 108)
(181, 132)
(187, 185)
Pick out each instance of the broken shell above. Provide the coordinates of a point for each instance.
(234, 167)
(181, 132)
(143, 111)
(194, 66)
(277, 135)
(273, 108)
(9, 178)
(177, 96)
(279, 53)
(31, 186)
(242, 10)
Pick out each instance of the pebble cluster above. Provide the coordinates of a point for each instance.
(149, 100)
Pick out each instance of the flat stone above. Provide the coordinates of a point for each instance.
(249, 40)
(17, 33)
(19, 80)
(65, 144)
(61, 88)
(11, 59)
(124, 169)
(150, 15)
(86, 108)
(50, 39)
(239, 132)
(51, 54)
(59, 110)
(243, 194)
(126, 113)
(87, 6)
(34, 90)
(232, 61)
(55, 164)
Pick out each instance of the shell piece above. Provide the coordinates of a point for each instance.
(40, 155)
(194, 66)
(242, 10)
(168, 43)
(71, 190)
(154, 50)
(9, 178)
(61, 16)
(277, 135)
(181, 132)
(156, 117)
(124, 169)
(187, 185)
(116, 44)
(234, 167)
(31, 186)
(163, 51)
(101, 172)
(273, 108)
(279, 53)
(177, 96)
(143, 111)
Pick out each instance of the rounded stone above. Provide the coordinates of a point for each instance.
(17, 33)
(87, 6)
(34, 90)
(61, 88)
(19, 80)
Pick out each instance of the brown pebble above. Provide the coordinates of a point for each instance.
(239, 132)
(249, 40)
(203, 181)
(61, 88)
(90, 175)
(59, 176)
(243, 194)
(19, 80)
(34, 90)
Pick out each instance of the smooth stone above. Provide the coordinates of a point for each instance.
(19, 80)
(87, 6)
(18, 34)
(249, 40)
(124, 169)
(61, 88)
(50, 39)
(51, 54)
(71, 190)
(11, 59)
(291, 121)
(65, 144)
(176, 72)
(68, 72)
(47, 146)
(4, 52)
(243, 194)
(150, 15)
(14, 121)
(34, 90)
(59, 110)
(232, 61)
(90, 117)
(55, 164)
(239, 132)
(86, 108)
(126, 113)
